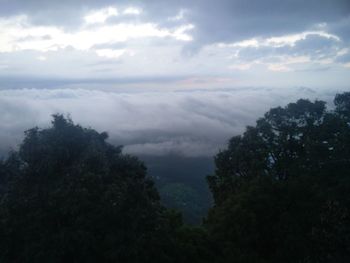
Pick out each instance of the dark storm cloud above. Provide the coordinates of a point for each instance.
(215, 21)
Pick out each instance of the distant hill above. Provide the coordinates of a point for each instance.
(182, 184)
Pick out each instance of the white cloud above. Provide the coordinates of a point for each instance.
(155, 49)
(279, 67)
(290, 40)
(42, 58)
(342, 52)
(286, 61)
(241, 66)
(285, 53)
(181, 33)
(279, 64)
(278, 41)
(18, 34)
(110, 53)
(245, 43)
(180, 15)
(132, 11)
(100, 16)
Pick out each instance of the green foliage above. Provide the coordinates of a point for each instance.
(281, 190)
(182, 185)
(342, 103)
(67, 195)
(183, 198)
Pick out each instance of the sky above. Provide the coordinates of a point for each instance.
(164, 77)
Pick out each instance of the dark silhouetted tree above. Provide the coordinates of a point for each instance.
(282, 189)
(69, 196)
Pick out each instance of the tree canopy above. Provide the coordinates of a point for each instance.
(281, 193)
(282, 189)
(68, 195)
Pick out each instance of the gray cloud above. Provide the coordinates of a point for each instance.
(216, 21)
(152, 99)
(313, 46)
(195, 123)
(313, 51)
(224, 21)
(344, 58)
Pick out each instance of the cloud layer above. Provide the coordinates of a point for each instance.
(188, 123)
(165, 76)
(165, 38)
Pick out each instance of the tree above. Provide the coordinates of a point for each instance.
(342, 103)
(281, 190)
(68, 195)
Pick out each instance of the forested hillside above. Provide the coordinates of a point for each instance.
(181, 183)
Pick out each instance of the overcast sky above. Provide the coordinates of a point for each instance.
(166, 76)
